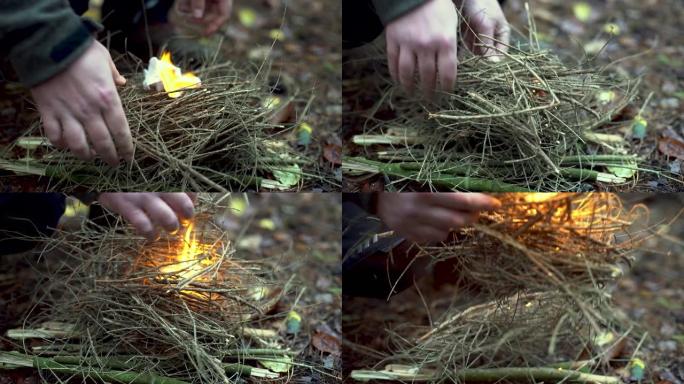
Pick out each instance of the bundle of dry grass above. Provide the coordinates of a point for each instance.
(536, 330)
(520, 123)
(216, 137)
(176, 310)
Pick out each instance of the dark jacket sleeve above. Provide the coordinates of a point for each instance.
(390, 10)
(41, 37)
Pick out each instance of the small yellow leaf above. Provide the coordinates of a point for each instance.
(259, 292)
(237, 206)
(605, 97)
(271, 102)
(639, 125)
(611, 29)
(582, 11)
(595, 46)
(267, 224)
(604, 338)
(247, 17)
(293, 322)
(304, 134)
(276, 34)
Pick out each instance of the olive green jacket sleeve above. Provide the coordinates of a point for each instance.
(41, 37)
(390, 10)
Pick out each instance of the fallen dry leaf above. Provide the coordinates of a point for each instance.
(328, 343)
(671, 145)
(333, 153)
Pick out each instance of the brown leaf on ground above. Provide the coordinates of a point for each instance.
(333, 153)
(326, 342)
(671, 143)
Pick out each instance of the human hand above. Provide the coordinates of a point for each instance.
(148, 211)
(485, 17)
(212, 13)
(80, 108)
(428, 217)
(424, 40)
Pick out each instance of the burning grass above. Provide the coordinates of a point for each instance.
(214, 136)
(541, 240)
(176, 310)
(537, 274)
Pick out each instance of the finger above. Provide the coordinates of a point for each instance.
(197, 8)
(216, 23)
(75, 138)
(466, 201)
(101, 140)
(224, 7)
(427, 68)
(160, 213)
(445, 219)
(139, 220)
(469, 37)
(503, 35)
(118, 79)
(486, 33)
(181, 203)
(393, 60)
(53, 130)
(447, 64)
(117, 125)
(406, 67)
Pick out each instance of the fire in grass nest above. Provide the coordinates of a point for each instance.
(197, 264)
(174, 308)
(186, 256)
(534, 296)
(540, 239)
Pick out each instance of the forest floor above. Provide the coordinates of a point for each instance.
(650, 295)
(297, 232)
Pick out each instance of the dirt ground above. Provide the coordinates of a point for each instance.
(299, 39)
(650, 295)
(648, 43)
(298, 232)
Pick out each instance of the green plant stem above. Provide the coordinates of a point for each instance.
(246, 370)
(259, 351)
(597, 158)
(14, 359)
(448, 181)
(112, 362)
(490, 375)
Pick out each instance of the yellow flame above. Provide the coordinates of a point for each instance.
(539, 197)
(192, 257)
(170, 79)
(589, 210)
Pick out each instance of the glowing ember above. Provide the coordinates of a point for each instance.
(162, 74)
(192, 258)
